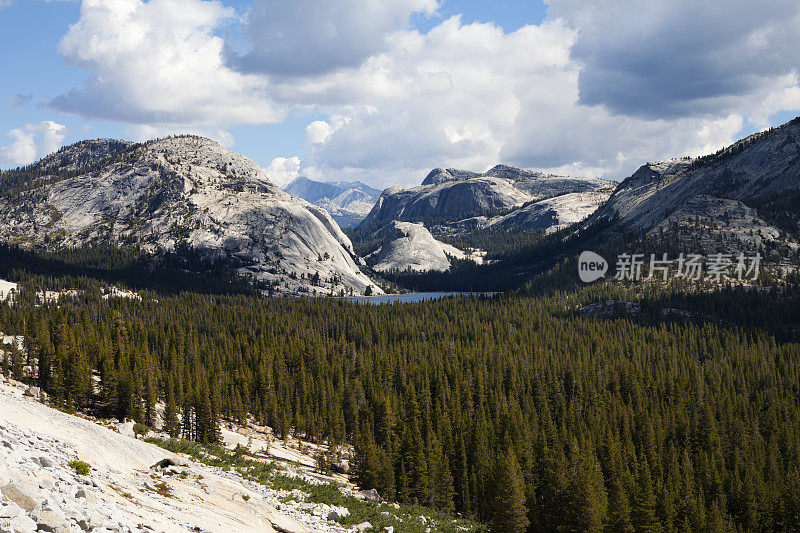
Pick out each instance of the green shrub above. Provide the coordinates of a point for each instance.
(81, 467)
(140, 429)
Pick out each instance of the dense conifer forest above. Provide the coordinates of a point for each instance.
(516, 410)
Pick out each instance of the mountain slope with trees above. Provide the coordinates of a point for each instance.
(674, 425)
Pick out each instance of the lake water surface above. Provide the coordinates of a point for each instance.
(413, 297)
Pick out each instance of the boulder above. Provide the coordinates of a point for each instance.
(50, 520)
(32, 392)
(23, 493)
(363, 526)
(168, 464)
(126, 428)
(337, 514)
(370, 494)
(22, 524)
(85, 495)
(342, 467)
(9, 510)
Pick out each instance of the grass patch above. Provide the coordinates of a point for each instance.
(408, 518)
(163, 489)
(80, 467)
(127, 495)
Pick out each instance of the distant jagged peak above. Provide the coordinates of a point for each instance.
(299, 180)
(313, 190)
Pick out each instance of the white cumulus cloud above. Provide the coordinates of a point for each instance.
(282, 170)
(159, 63)
(446, 99)
(31, 142)
(318, 132)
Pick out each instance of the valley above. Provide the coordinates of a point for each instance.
(399, 266)
(171, 287)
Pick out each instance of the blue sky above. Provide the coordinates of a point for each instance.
(384, 93)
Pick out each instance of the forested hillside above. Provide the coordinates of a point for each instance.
(514, 410)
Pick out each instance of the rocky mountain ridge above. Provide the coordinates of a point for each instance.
(746, 195)
(348, 202)
(184, 191)
(470, 200)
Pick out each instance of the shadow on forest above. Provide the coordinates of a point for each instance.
(164, 273)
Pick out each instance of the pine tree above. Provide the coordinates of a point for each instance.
(171, 424)
(5, 364)
(587, 496)
(109, 383)
(644, 515)
(441, 479)
(619, 510)
(367, 469)
(509, 511)
(17, 362)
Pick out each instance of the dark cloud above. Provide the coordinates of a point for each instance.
(675, 58)
(19, 100)
(306, 37)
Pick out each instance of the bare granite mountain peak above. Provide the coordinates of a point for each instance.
(465, 200)
(441, 175)
(741, 197)
(411, 247)
(759, 168)
(190, 191)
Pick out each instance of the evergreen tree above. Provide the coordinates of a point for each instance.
(644, 515)
(510, 513)
(619, 510)
(17, 362)
(171, 423)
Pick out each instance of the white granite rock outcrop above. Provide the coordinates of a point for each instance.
(184, 191)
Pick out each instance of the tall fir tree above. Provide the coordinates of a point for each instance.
(510, 513)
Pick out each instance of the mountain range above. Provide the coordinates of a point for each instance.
(190, 193)
(348, 202)
(503, 197)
